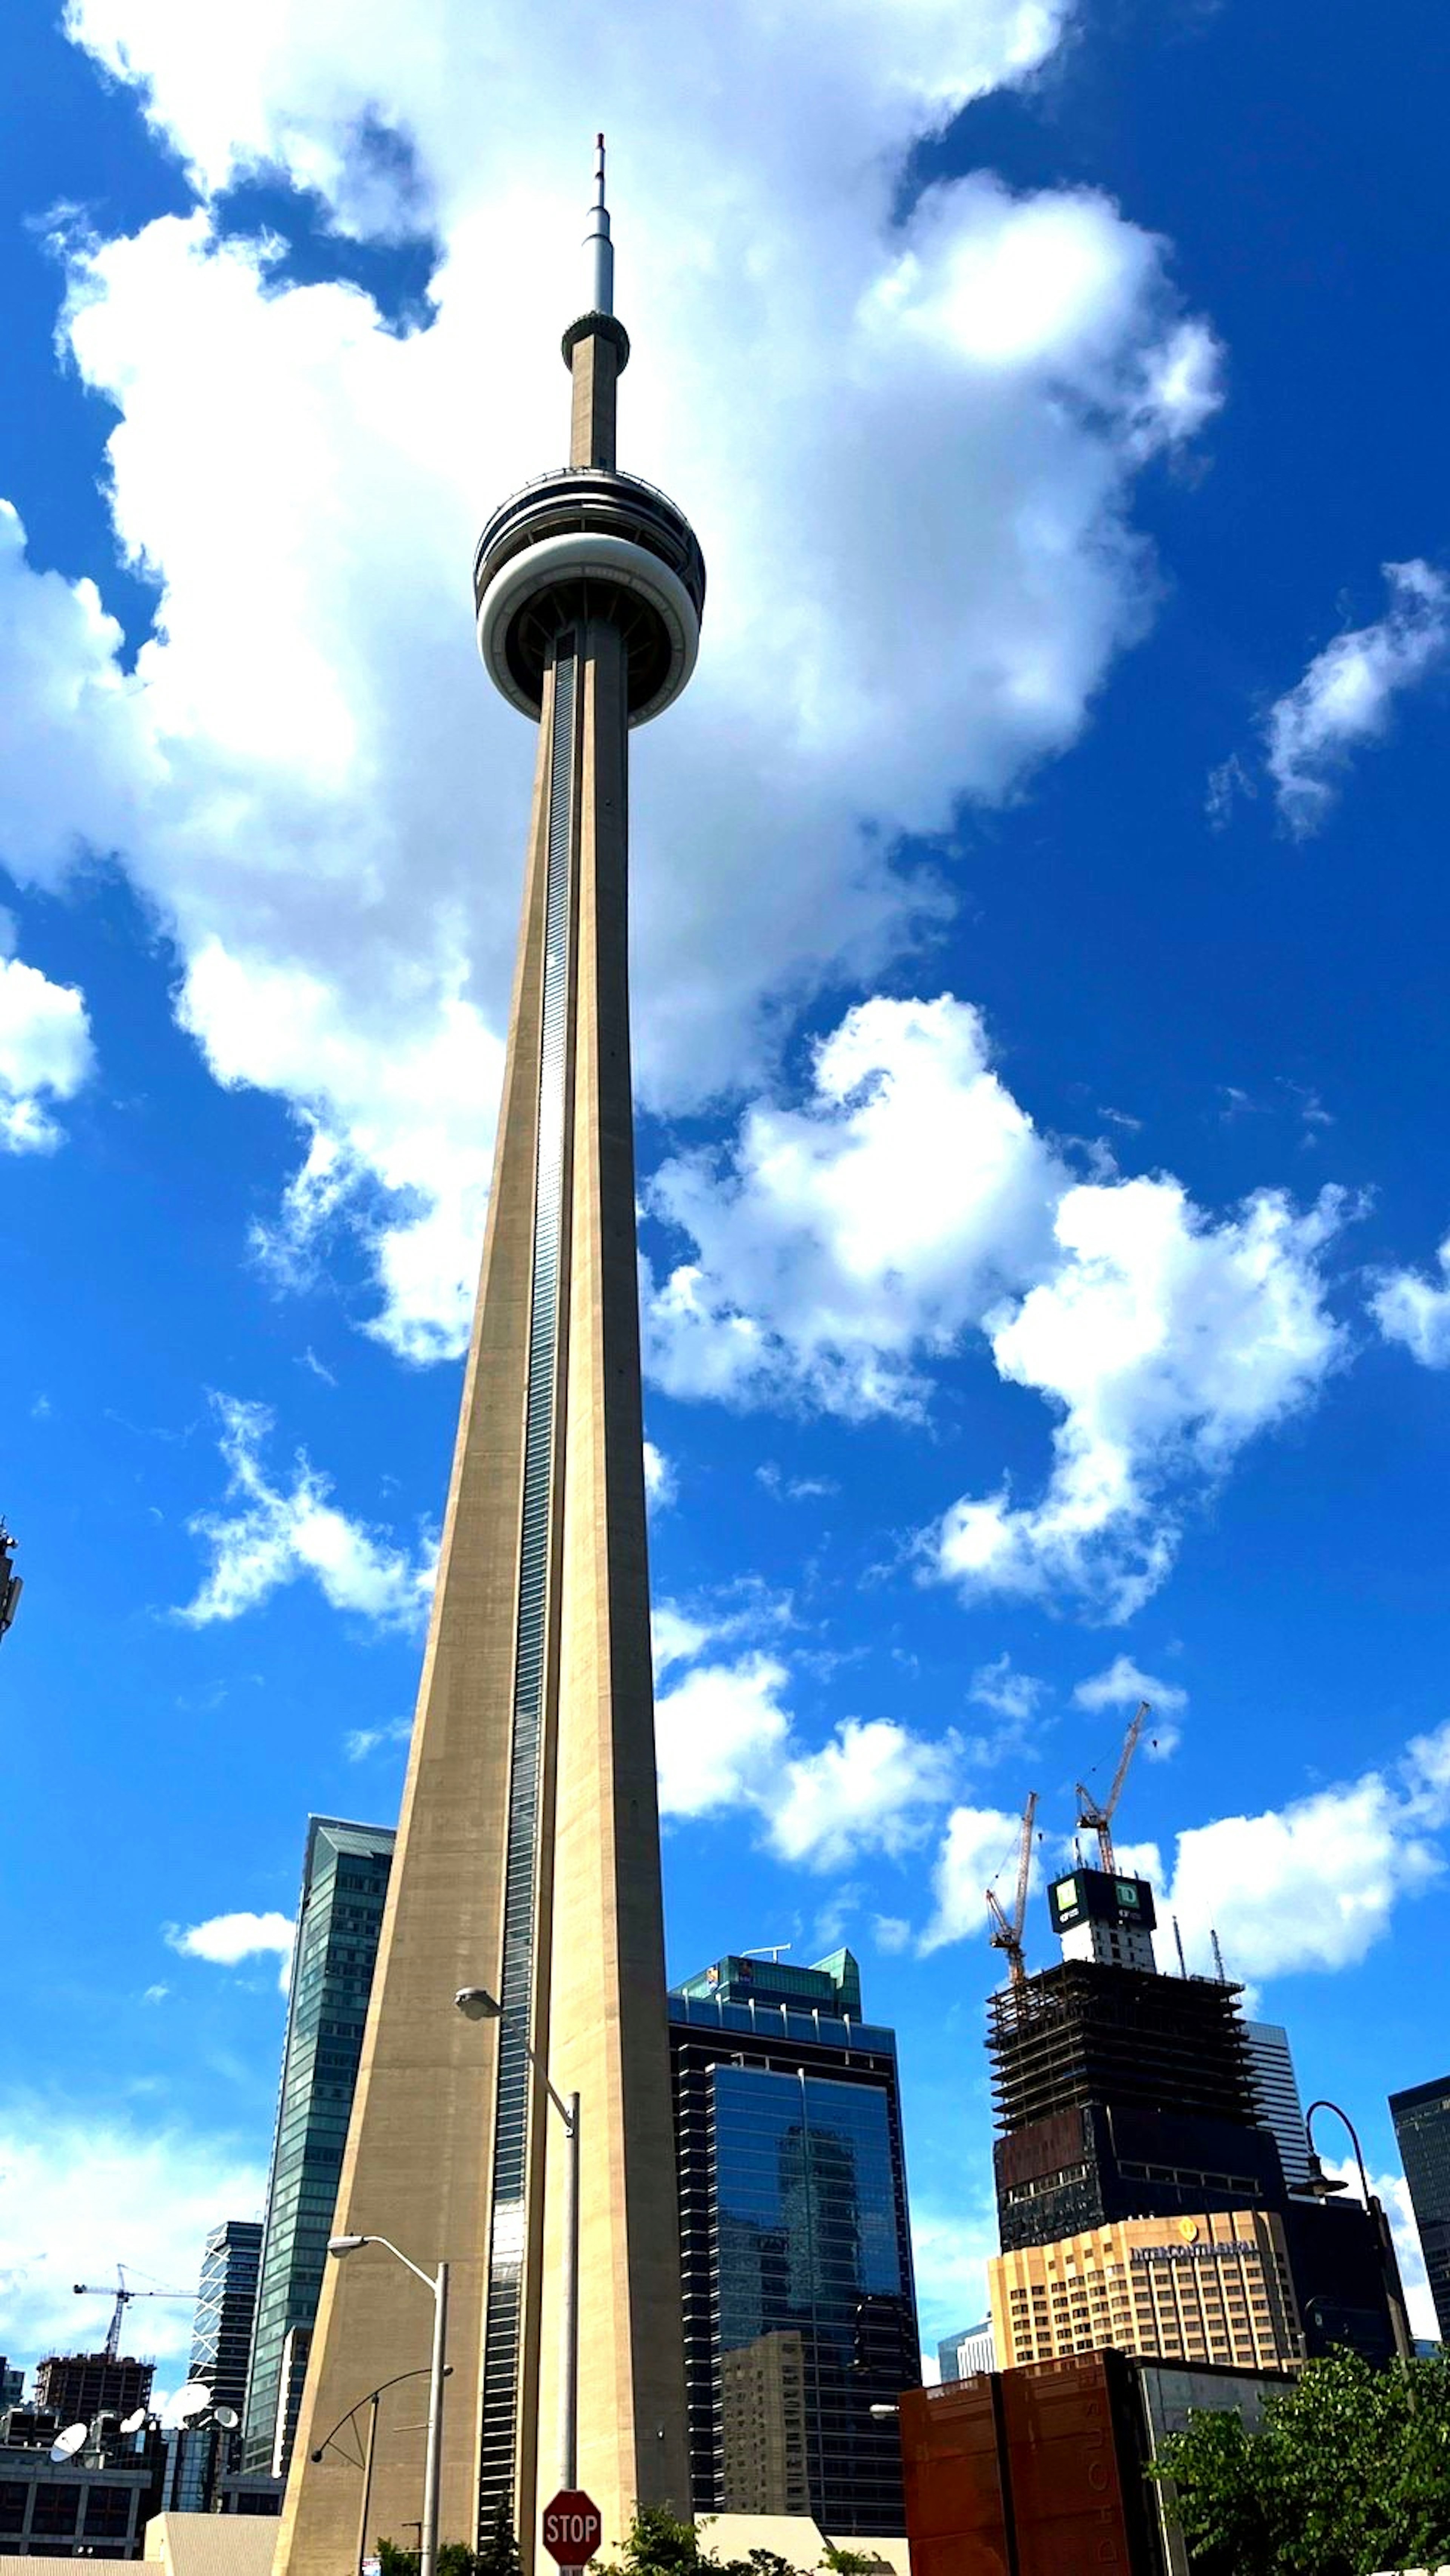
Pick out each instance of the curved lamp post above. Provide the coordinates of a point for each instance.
(477, 2004)
(1323, 2186)
(371, 2402)
(438, 2284)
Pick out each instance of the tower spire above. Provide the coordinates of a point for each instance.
(597, 241)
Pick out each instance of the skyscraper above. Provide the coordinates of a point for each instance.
(528, 1847)
(795, 2246)
(1422, 2125)
(339, 1917)
(221, 2343)
(1276, 2091)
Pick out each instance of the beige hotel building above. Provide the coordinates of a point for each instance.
(1214, 2288)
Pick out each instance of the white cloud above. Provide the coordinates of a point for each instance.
(725, 1739)
(873, 1787)
(1347, 693)
(306, 774)
(841, 1245)
(80, 2182)
(275, 1535)
(846, 1239)
(661, 1484)
(719, 1732)
(1166, 1341)
(228, 1939)
(952, 2248)
(1315, 1884)
(360, 1741)
(1124, 1684)
(979, 1843)
(1008, 1693)
(45, 1046)
(1412, 1309)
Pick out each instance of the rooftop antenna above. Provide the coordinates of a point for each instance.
(1178, 1943)
(598, 243)
(1218, 1959)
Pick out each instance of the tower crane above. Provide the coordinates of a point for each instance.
(1006, 1932)
(123, 2297)
(11, 1583)
(1091, 1817)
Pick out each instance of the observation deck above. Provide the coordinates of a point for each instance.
(588, 542)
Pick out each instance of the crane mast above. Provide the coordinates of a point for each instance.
(1096, 1818)
(1006, 1932)
(122, 2296)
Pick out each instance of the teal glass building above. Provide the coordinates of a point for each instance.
(799, 2305)
(340, 1917)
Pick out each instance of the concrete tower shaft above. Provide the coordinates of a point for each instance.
(528, 1848)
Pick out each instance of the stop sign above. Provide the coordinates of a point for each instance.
(572, 2527)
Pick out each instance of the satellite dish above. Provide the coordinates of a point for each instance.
(134, 2422)
(227, 2417)
(192, 2400)
(66, 2444)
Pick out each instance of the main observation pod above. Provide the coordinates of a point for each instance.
(590, 541)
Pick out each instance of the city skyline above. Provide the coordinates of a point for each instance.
(924, 772)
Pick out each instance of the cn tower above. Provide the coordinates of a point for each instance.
(528, 1859)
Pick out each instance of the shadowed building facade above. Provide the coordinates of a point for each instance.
(527, 1856)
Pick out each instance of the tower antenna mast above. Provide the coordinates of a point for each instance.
(1097, 1819)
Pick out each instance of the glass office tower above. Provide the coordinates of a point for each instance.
(340, 1917)
(221, 2343)
(1422, 2126)
(800, 2312)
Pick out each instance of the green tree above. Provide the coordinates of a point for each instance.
(1351, 2461)
(499, 2555)
(395, 2561)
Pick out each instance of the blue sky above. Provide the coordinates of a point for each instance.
(1039, 937)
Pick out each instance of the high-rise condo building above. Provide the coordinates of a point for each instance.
(1276, 2092)
(1210, 2289)
(339, 1918)
(1422, 2125)
(76, 2387)
(961, 2356)
(1128, 2098)
(799, 2306)
(528, 1860)
(221, 2343)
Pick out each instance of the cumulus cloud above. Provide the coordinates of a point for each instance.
(979, 1843)
(837, 1246)
(1315, 1884)
(45, 1053)
(726, 1740)
(1346, 697)
(306, 774)
(228, 1939)
(80, 2182)
(1001, 1688)
(1124, 1684)
(661, 1485)
(278, 1532)
(360, 1741)
(1412, 1309)
(1165, 1341)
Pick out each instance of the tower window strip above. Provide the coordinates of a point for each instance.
(503, 2336)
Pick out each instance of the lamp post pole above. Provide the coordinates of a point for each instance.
(1385, 2243)
(477, 2004)
(437, 2282)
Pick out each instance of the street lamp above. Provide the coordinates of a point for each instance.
(1322, 2186)
(370, 2401)
(477, 2004)
(438, 2284)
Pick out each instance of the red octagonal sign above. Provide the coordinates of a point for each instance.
(572, 2527)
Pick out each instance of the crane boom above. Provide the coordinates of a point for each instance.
(1006, 1932)
(122, 2296)
(1096, 1818)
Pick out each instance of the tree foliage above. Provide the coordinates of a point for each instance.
(1351, 2467)
(658, 2543)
